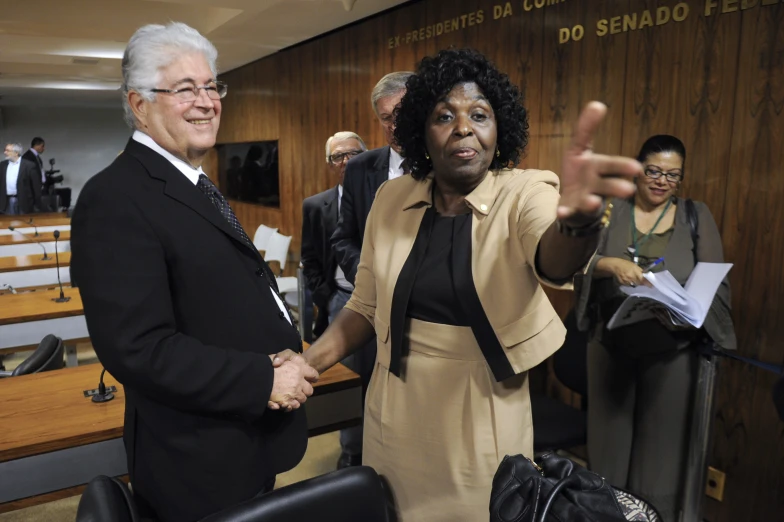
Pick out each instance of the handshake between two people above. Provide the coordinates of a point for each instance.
(293, 381)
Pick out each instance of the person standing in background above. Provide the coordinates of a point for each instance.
(33, 154)
(325, 279)
(20, 185)
(37, 147)
(641, 377)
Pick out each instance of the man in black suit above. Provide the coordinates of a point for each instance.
(20, 184)
(325, 279)
(180, 306)
(33, 154)
(366, 172)
(37, 147)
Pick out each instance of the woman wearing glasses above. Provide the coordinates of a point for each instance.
(641, 377)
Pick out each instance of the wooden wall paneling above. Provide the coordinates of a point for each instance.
(559, 100)
(575, 73)
(655, 66)
(748, 439)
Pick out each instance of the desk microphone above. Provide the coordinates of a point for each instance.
(46, 257)
(35, 227)
(102, 395)
(62, 298)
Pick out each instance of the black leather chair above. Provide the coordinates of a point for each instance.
(353, 494)
(558, 425)
(106, 499)
(348, 495)
(48, 356)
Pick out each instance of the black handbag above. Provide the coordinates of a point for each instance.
(555, 489)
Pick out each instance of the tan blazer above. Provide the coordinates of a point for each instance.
(511, 210)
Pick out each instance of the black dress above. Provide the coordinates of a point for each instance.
(434, 298)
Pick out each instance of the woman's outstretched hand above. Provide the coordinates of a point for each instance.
(587, 177)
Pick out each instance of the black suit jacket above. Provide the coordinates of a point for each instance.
(364, 174)
(179, 310)
(28, 187)
(319, 221)
(31, 156)
(36, 158)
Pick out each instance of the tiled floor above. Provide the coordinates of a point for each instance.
(321, 457)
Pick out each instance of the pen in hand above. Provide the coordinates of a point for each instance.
(648, 268)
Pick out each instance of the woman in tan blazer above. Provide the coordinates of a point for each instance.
(450, 280)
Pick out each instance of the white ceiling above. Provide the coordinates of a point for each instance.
(61, 52)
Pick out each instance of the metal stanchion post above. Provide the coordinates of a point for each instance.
(702, 420)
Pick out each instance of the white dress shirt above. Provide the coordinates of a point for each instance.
(12, 177)
(395, 164)
(192, 173)
(340, 277)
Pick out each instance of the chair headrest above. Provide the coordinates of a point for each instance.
(106, 499)
(349, 495)
(48, 356)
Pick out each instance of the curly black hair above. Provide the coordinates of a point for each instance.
(435, 77)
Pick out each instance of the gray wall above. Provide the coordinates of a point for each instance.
(82, 140)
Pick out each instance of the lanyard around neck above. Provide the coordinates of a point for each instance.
(637, 244)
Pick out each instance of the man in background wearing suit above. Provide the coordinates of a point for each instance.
(37, 147)
(325, 279)
(20, 183)
(364, 174)
(33, 154)
(180, 306)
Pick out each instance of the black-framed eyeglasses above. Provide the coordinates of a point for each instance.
(340, 157)
(672, 176)
(214, 90)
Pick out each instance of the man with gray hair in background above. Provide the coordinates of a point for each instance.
(180, 307)
(363, 176)
(325, 279)
(20, 183)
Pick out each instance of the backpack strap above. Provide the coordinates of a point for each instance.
(694, 225)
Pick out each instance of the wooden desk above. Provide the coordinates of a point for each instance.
(43, 237)
(37, 218)
(53, 438)
(25, 228)
(24, 273)
(26, 318)
(34, 262)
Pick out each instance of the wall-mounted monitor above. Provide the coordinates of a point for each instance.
(249, 172)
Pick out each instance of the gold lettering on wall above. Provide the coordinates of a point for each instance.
(731, 6)
(530, 5)
(633, 22)
(447, 26)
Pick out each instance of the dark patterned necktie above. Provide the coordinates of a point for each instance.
(214, 195)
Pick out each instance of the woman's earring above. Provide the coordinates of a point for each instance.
(427, 156)
(497, 153)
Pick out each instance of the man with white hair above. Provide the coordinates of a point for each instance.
(20, 183)
(180, 306)
(325, 279)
